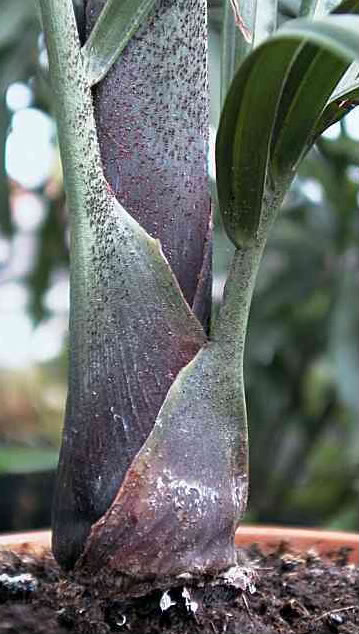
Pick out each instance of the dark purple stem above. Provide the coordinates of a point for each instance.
(152, 121)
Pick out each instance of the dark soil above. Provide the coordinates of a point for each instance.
(293, 595)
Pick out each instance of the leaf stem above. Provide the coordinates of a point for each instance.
(231, 326)
(84, 181)
(73, 103)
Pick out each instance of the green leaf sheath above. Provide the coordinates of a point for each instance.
(117, 23)
(131, 330)
(152, 119)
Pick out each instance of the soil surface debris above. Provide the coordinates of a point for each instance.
(295, 594)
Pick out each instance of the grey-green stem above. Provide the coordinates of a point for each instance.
(76, 126)
(72, 100)
(231, 326)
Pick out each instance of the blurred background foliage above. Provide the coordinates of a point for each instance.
(303, 342)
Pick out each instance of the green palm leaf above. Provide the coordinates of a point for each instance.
(117, 23)
(268, 125)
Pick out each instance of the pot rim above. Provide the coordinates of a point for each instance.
(267, 537)
(298, 539)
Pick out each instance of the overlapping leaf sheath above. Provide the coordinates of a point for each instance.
(131, 330)
(152, 120)
(182, 498)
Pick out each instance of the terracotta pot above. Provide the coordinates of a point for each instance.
(299, 539)
(267, 537)
(32, 541)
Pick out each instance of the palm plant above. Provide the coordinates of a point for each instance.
(153, 473)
